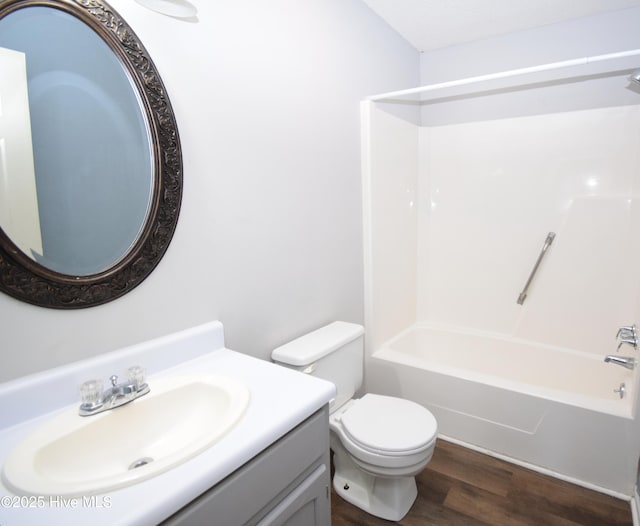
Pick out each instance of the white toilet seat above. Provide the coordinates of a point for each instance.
(386, 435)
(386, 425)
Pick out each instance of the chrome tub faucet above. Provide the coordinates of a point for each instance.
(626, 361)
(96, 400)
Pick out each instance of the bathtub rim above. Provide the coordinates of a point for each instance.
(611, 407)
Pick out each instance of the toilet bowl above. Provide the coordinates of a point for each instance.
(379, 443)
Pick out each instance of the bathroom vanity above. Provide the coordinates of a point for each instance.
(270, 468)
(287, 484)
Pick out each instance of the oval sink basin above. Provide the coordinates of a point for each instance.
(72, 455)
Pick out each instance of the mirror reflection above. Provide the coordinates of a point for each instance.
(76, 162)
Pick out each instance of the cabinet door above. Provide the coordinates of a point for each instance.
(306, 505)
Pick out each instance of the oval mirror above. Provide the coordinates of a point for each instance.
(90, 159)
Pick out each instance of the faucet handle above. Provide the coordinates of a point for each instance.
(114, 379)
(135, 375)
(628, 342)
(633, 342)
(628, 331)
(91, 393)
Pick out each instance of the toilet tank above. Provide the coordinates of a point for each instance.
(334, 352)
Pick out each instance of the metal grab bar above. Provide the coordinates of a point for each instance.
(547, 244)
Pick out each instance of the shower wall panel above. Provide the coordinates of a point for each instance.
(490, 191)
(391, 224)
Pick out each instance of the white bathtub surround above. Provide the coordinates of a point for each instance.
(456, 227)
(390, 198)
(28, 402)
(494, 191)
(455, 216)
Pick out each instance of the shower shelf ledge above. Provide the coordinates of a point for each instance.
(611, 64)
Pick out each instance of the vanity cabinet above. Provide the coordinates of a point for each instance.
(287, 484)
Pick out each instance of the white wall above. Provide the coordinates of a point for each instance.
(269, 239)
(587, 36)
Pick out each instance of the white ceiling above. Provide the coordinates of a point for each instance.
(433, 24)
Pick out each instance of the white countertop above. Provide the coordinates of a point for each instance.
(280, 400)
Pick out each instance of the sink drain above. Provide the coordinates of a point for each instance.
(140, 462)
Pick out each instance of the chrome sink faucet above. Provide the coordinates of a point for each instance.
(626, 361)
(96, 400)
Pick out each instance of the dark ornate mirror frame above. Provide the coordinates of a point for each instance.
(26, 280)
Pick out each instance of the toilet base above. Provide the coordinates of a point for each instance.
(389, 498)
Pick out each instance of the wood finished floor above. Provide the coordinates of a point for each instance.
(461, 487)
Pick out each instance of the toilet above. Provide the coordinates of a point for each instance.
(379, 443)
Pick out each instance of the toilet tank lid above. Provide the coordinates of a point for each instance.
(312, 346)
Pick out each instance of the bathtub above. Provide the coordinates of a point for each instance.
(548, 408)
